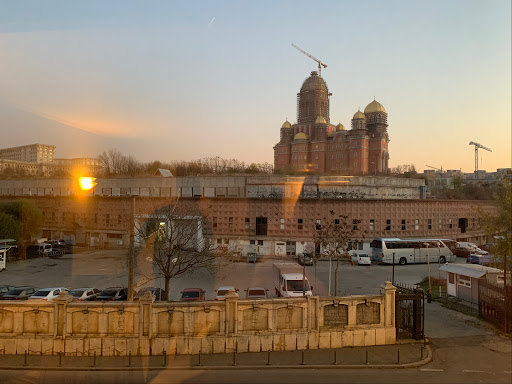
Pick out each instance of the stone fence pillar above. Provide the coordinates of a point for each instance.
(231, 312)
(146, 310)
(389, 299)
(61, 303)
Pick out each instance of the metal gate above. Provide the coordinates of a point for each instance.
(494, 305)
(409, 312)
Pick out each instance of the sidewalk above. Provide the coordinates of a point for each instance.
(405, 355)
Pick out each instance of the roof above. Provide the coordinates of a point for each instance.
(471, 270)
(163, 172)
(314, 83)
(374, 106)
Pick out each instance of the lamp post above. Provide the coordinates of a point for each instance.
(429, 294)
(131, 256)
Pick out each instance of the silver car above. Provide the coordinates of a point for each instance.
(84, 294)
(48, 294)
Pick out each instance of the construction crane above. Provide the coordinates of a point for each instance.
(437, 169)
(320, 64)
(477, 146)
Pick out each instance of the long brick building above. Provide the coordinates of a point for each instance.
(268, 214)
(313, 144)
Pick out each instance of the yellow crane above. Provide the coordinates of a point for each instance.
(320, 64)
(478, 146)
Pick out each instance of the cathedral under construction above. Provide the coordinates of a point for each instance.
(313, 144)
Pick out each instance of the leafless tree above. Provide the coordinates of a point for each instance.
(334, 235)
(177, 237)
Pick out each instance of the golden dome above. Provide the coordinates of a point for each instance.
(301, 136)
(320, 120)
(359, 115)
(374, 106)
(340, 127)
(286, 124)
(314, 83)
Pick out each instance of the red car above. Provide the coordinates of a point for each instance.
(192, 294)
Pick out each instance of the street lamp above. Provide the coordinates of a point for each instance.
(429, 295)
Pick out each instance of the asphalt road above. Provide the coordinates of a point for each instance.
(106, 268)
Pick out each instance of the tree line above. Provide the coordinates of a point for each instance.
(116, 164)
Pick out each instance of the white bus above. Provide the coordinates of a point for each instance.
(410, 251)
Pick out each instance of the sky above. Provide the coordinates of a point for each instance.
(165, 80)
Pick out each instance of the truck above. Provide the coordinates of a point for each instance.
(290, 281)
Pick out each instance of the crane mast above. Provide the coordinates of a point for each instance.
(477, 147)
(320, 64)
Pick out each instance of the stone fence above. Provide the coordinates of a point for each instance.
(146, 327)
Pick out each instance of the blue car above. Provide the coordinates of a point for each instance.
(478, 259)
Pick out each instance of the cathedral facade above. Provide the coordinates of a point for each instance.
(313, 144)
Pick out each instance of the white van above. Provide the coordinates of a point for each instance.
(45, 249)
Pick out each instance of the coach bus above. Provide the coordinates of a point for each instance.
(410, 251)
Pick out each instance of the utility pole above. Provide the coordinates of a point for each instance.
(131, 256)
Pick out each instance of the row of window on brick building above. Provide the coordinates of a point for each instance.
(356, 224)
(96, 218)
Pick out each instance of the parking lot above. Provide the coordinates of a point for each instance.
(106, 268)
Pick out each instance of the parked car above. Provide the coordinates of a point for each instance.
(256, 293)
(223, 291)
(85, 294)
(20, 293)
(58, 244)
(193, 294)
(461, 252)
(5, 288)
(39, 250)
(305, 259)
(361, 259)
(478, 259)
(488, 247)
(113, 294)
(48, 294)
(451, 244)
(157, 292)
(471, 247)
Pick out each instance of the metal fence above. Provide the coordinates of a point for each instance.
(495, 305)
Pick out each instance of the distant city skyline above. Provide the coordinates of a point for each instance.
(177, 81)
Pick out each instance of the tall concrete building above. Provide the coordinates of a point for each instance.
(313, 144)
(33, 153)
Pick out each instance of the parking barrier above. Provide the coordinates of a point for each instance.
(366, 357)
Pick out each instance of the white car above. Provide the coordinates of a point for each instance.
(221, 292)
(85, 294)
(256, 293)
(361, 259)
(48, 294)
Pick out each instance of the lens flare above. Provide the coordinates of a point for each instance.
(86, 183)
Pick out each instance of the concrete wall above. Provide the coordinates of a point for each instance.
(340, 187)
(148, 328)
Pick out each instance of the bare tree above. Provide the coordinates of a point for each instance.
(334, 237)
(177, 236)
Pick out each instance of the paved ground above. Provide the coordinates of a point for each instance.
(109, 268)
